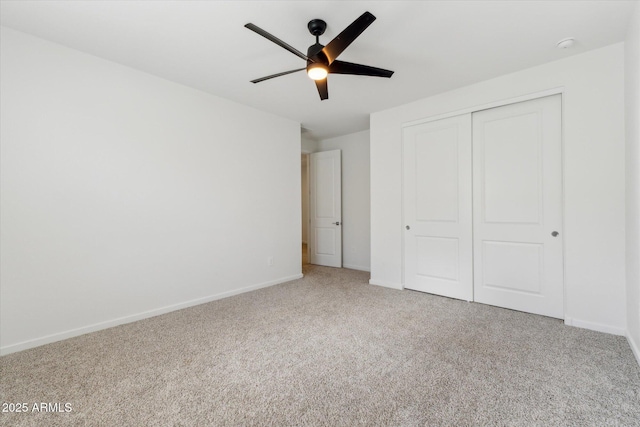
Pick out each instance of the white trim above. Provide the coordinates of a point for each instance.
(494, 104)
(308, 190)
(24, 345)
(386, 284)
(599, 327)
(403, 224)
(356, 267)
(563, 222)
(635, 348)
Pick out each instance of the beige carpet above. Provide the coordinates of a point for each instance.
(331, 350)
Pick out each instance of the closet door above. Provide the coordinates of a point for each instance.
(437, 207)
(517, 207)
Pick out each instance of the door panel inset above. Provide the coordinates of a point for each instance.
(510, 266)
(325, 241)
(437, 257)
(437, 175)
(512, 154)
(324, 174)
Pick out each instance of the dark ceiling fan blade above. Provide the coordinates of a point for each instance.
(284, 73)
(322, 89)
(341, 67)
(346, 37)
(276, 40)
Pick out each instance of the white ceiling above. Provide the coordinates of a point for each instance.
(433, 46)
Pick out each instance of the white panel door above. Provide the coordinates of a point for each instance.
(517, 206)
(325, 238)
(437, 207)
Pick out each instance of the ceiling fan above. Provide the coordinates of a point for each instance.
(321, 60)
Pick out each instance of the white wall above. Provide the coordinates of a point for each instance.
(125, 195)
(594, 181)
(356, 219)
(308, 144)
(632, 99)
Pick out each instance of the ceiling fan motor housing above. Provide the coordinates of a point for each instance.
(316, 27)
(315, 54)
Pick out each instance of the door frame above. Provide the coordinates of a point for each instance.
(306, 153)
(527, 97)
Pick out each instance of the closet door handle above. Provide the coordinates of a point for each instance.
(554, 233)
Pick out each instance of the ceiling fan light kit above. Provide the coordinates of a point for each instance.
(321, 59)
(317, 71)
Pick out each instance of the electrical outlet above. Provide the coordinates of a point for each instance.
(270, 261)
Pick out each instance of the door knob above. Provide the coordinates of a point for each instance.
(336, 223)
(554, 233)
(408, 228)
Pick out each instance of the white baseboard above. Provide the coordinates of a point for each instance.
(356, 267)
(599, 327)
(24, 345)
(635, 348)
(386, 284)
